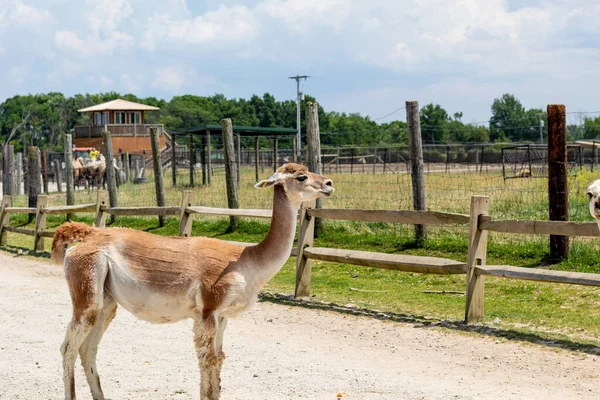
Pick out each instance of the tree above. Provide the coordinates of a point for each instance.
(511, 122)
(434, 123)
(591, 128)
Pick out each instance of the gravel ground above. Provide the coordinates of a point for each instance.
(273, 352)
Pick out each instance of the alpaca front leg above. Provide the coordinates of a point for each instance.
(205, 333)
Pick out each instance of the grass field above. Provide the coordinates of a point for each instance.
(566, 313)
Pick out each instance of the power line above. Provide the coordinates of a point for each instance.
(387, 115)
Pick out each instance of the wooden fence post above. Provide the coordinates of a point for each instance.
(558, 190)
(294, 155)
(113, 194)
(306, 235)
(208, 160)
(4, 217)
(8, 170)
(19, 173)
(44, 163)
(125, 162)
(238, 155)
(230, 171)
(256, 159)
(192, 157)
(102, 203)
(57, 174)
(313, 140)
(476, 256)
(275, 154)
(40, 223)
(173, 161)
(416, 160)
(159, 183)
(203, 159)
(69, 171)
(34, 184)
(185, 218)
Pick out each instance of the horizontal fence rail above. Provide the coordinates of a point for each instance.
(564, 228)
(540, 275)
(402, 216)
(143, 211)
(475, 269)
(398, 262)
(237, 212)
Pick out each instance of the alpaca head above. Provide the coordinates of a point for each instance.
(593, 194)
(299, 184)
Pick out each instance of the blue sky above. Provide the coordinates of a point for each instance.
(366, 56)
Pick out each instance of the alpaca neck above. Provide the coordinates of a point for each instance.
(270, 255)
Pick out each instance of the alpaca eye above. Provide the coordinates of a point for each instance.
(589, 195)
(302, 178)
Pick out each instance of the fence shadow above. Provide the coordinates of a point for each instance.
(424, 322)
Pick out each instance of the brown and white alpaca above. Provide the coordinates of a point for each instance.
(167, 279)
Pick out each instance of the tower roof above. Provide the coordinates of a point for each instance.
(119, 105)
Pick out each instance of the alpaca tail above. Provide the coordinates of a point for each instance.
(67, 233)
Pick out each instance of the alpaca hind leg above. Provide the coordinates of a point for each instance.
(89, 348)
(85, 277)
(77, 332)
(205, 335)
(221, 325)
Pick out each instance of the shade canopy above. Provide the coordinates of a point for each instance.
(240, 130)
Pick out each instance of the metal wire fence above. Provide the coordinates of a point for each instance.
(365, 178)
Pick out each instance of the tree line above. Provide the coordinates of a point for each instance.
(41, 119)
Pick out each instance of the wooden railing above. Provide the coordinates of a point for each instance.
(90, 131)
(479, 222)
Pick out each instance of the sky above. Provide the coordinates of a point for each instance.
(364, 56)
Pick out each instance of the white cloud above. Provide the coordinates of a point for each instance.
(130, 83)
(24, 14)
(19, 74)
(177, 79)
(105, 81)
(70, 41)
(105, 15)
(226, 25)
(300, 15)
(171, 78)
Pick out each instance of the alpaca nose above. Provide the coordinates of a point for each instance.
(328, 187)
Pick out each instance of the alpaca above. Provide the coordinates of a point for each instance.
(167, 279)
(593, 195)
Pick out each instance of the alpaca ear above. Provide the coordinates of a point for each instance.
(271, 181)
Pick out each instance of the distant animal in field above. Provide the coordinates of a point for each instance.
(94, 173)
(78, 171)
(525, 173)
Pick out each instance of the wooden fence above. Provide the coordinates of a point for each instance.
(480, 223)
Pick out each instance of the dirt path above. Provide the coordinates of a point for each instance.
(273, 352)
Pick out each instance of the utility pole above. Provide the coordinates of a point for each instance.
(299, 97)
